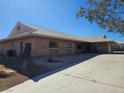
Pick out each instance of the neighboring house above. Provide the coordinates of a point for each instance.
(44, 42)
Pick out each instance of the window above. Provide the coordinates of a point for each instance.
(18, 27)
(53, 44)
(68, 45)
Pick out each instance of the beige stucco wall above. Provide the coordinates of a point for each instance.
(40, 46)
(15, 44)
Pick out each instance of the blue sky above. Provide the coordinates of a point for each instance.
(59, 15)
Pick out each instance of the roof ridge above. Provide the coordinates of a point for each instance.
(40, 27)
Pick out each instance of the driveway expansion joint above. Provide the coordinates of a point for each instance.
(94, 81)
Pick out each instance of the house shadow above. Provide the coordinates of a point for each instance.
(58, 69)
(37, 72)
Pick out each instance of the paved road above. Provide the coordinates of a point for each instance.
(101, 74)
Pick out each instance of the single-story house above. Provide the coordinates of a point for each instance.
(44, 42)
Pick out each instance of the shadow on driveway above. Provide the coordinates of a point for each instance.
(69, 61)
(36, 72)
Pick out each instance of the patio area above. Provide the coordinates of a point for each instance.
(64, 60)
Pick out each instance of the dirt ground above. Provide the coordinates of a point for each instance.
(20, 76)
(8, 82)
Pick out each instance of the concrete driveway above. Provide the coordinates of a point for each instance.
(101, 74)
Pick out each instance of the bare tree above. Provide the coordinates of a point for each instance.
(108, 14)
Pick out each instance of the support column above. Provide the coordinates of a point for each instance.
(109, 48)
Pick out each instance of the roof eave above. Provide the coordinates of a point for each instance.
(34, 34)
